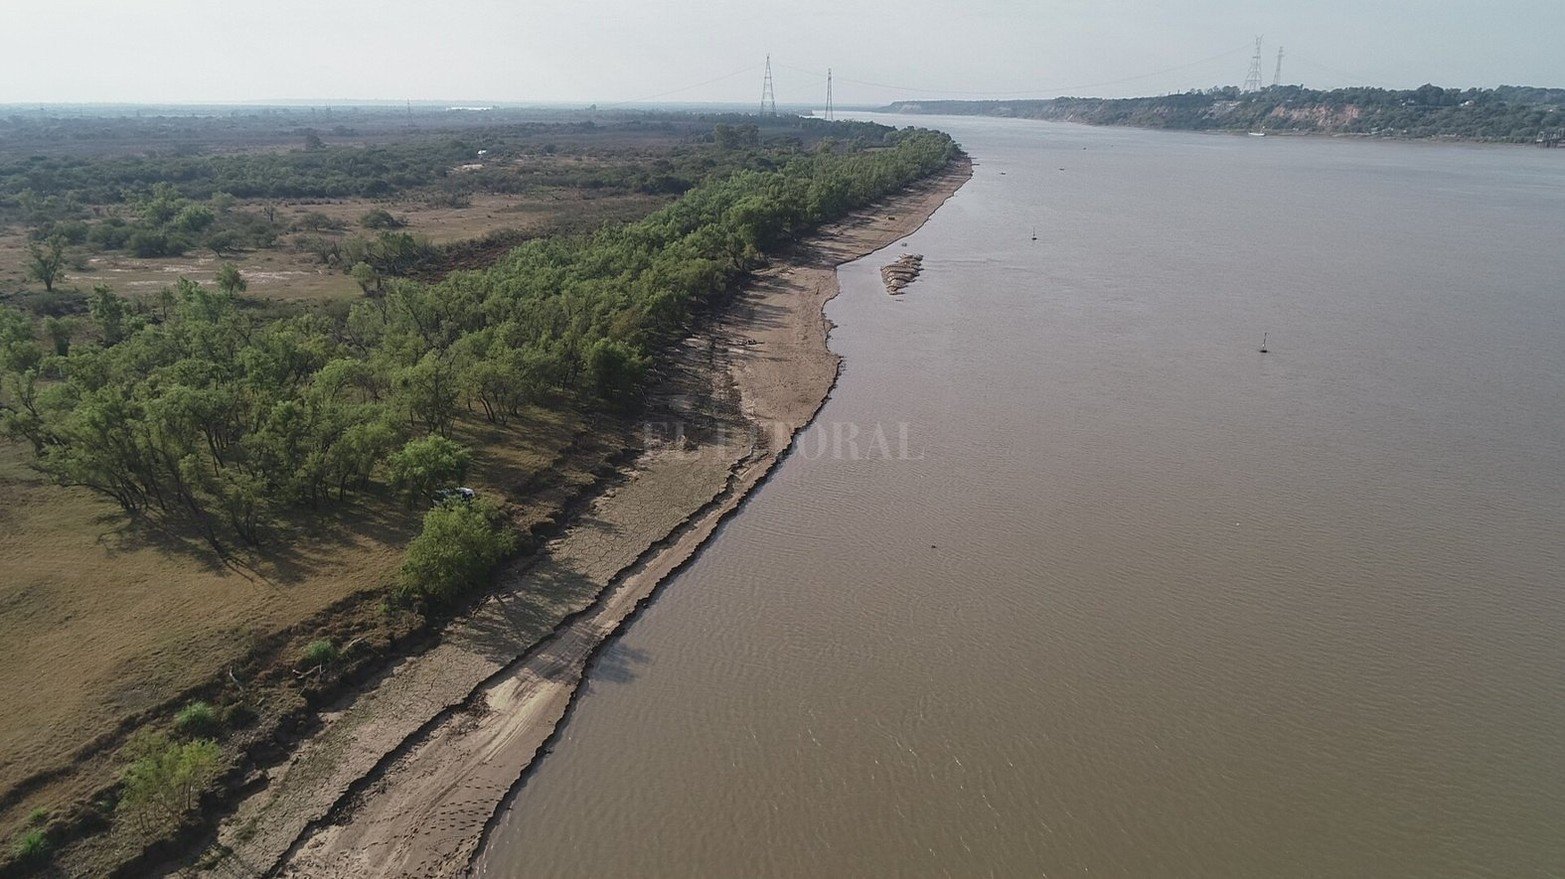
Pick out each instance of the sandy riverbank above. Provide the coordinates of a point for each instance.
(404, 781)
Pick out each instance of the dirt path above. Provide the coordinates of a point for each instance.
(404, 781)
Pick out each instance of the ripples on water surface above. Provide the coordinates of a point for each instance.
(1151, 603)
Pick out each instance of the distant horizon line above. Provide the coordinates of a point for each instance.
(478, 105)
(447, 104)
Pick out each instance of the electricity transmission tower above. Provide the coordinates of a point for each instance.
(1252, 80)
(830, 114)
(768, 97)
(1277, 77)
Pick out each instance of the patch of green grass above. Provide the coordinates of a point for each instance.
(38, 817)
(31, 847)
(321, 652)
(196, 720)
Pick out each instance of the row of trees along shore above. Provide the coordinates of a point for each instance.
(1514, 114)
(188, 405)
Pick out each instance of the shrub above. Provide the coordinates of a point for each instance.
(73, 231)
(194, 219)
(230, 281)
(166, 778)
(424, 466)
(197, 719)
(366, 276)
(148, 244)
(459, 546)
(380, 218)
(315, 221)
(31, 847)
(223, 242)
(111, 234)
(38, 817)
(320, 652)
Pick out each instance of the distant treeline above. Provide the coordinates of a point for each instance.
(190, 405)
(49, 185)
(167, 205)
(1516, 114)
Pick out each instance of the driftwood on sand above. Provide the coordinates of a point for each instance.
(902, 272)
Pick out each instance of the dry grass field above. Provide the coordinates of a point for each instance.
(287, 273)
(103, 617)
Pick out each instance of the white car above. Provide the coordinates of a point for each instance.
(462, 494)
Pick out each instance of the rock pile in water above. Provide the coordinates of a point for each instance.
(902, 272)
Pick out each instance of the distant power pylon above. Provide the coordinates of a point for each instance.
(768, 97)
(1277, 77)
(1252, 80)
(830, 112)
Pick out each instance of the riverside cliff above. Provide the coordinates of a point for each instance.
(1510, 114)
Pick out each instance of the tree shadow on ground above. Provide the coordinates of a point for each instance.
(291, 551)
(618, 664)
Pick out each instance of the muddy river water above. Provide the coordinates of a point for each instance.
(1070, 580)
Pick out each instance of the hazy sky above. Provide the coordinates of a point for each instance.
(705, 50)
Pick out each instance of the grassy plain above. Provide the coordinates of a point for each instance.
(288, 273)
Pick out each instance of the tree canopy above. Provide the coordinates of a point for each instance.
(195, 407)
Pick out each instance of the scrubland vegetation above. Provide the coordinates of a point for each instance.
(246, 423)
(189, 406)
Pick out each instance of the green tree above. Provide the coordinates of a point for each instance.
(457, 549)
(194, 407)
(496, 380)
(424, 466)
(615, 370)
(429, 391)
(352, 458)
(222, 242)
(165, 778)
(230, 281)
(109, 311)
(398, 253)
(368, 279)
(194, 219)
(19, 350)
(162, 205)
(59, 330)
(46, 261)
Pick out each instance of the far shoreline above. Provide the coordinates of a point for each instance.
(1432, 140)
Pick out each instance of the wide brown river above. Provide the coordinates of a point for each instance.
(1118, 595)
